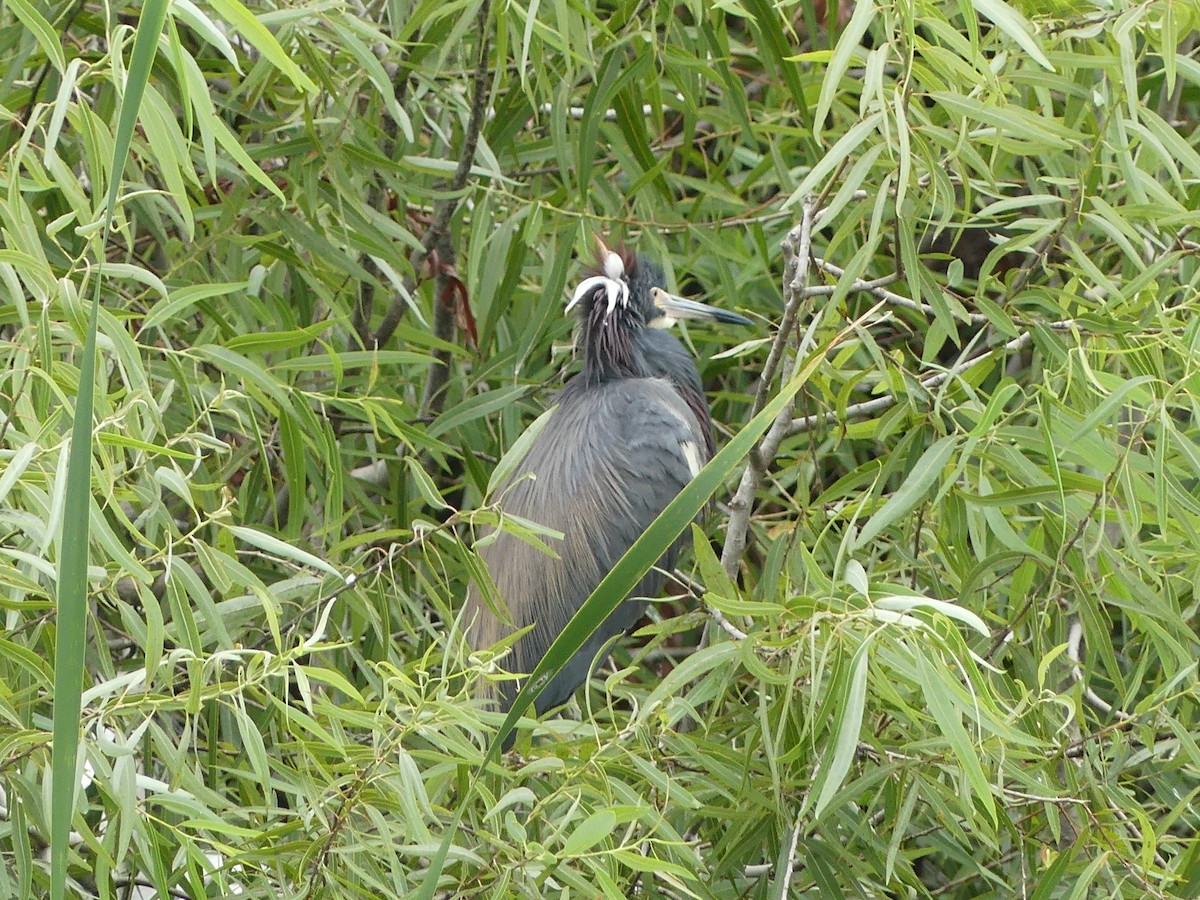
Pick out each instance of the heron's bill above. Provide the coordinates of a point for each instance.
(671, 308)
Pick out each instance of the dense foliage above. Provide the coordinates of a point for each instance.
(956, 656)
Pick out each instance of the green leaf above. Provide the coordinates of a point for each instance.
(608, 81)
(42, 32)
(282, 549)
(181, 301)
(1108, 407)
(591, 831)
(476, 407)
(848, 46)
(1016, 26)
(939, 697)
(847, 146)
(851, 710)
(520, 447)
(426, 487)
(715, 580)
(257, 35)
(915, 487)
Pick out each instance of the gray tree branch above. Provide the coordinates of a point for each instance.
(796, 248)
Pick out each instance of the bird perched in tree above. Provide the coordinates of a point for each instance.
(628, 433)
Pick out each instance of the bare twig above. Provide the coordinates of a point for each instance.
(1140, 840)
(790, 243)
(785, 877)
(610, 115)
(1074, 643)
(445, 208)
(728, 627)
(373, 473)
(876, 289)
(931, 382)
(825, 290)
(797, 246)
(696, 590)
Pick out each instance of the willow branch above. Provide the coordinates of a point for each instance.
(797, 254)
(877, 290)
(794, 273)
(870, 408)
(434, 397)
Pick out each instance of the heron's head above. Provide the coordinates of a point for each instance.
(622, 295)
(613, 292)
(611, 305)
(633, 287)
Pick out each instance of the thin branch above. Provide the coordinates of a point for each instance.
(1140, 840)
(799, 237)
(1074, 643)
(826, 290)
(696, 590)
(610, 115)
(434, 398)
(876, 289)
(446, 207)
(797, 259)
(728, 627)
(870, 408)
(789, 867)
(797, 253)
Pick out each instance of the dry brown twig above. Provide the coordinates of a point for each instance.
(445, 208)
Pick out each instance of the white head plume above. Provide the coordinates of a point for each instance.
(613, 281)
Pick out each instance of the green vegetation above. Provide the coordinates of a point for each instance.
(943, 638)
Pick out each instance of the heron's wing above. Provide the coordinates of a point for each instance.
(667, 357)
(606, 464)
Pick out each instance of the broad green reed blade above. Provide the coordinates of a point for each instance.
(70, 639)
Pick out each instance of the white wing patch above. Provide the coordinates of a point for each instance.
(691, 453)
(690, 449)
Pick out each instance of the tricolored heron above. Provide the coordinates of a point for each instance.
(628, 433)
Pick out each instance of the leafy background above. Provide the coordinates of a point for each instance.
(957, 654)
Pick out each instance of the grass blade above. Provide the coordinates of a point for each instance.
(71, 635)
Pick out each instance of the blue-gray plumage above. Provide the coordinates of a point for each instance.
(628, 433)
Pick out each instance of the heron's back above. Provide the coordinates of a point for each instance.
(609, 460)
